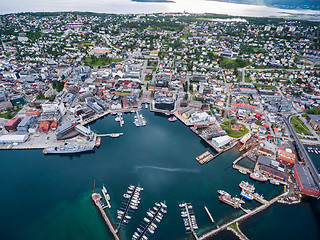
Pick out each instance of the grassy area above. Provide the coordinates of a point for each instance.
(148, 77)
(10, 114)
(152, 63)
(299, 126)
(232, 63)
(265, 87)
(102, 61)
(234, 134)
(247, 79)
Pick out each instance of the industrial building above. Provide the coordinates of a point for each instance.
(14, 138)
(221, 141)
(164, 103)
(305, 181)
(66, 131)
(12, 124)
(26, 123)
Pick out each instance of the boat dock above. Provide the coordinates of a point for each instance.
(139, 120)
(106, 196)
(131, 204)
(156, 215)
(210, 216)
(259, 198)
(247, 170)
(192, 223)
(261, 208)
(96, 198)
(204, 157)
(110, 135)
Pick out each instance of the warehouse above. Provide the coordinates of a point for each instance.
(305, 181)
(14, 138)
(12, 124)
(221, 141)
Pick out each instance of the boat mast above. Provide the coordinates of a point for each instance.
(94, 186)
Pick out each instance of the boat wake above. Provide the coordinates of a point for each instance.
(168, 169)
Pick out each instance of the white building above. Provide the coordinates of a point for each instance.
(221, 141)
(198, 117)
(14, 138)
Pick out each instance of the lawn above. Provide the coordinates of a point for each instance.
(234, 134)
(299, 126)
(95, 61)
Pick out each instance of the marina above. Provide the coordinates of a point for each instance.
(149, 223)
(129, 204)
(189, 219)
(139, 120)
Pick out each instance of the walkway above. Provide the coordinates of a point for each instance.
(213, 232)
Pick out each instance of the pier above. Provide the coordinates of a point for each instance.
(110, 135)
(106, 196)
(261, 208)
(204, 157)
(96, 198)
(210, 216)
(190, 222)
(148, 224)
(127, 208)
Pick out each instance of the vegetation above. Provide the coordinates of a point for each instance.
(299, 126)
(41, 96)
(226, 125)
(99, 61)
(10, 113)
(313, 111)
(58, 85)
(231, 63)
(148, 77)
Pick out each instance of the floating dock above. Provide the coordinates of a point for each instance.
(205, 157)
(106, 196)
(191, 219)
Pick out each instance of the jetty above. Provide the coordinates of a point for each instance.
(106, 196)
(96, 198)
(191, 223)
(261, 208)
(210, 216)
(113, 135)
(126, 208)
(204, 157)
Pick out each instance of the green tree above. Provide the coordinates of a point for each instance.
(233, 121)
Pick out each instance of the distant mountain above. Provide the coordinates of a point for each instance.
(151, 1)
(289, 4)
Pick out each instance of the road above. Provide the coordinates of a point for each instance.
(303, 153)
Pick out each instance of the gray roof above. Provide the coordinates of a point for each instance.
(315, 118)
(264, 160)
(306, 178)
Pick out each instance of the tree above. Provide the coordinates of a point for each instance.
(186, 96)
(233, 121)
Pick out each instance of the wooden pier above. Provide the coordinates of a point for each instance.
(190, 222)
(204, 157)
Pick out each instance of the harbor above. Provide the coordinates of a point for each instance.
(155, 173)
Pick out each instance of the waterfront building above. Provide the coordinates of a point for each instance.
(305, 181)
(286, 158)
(221, 141)
(66, 131)
(14, 138)
(25, 124)
(164, 103)
(12, 124)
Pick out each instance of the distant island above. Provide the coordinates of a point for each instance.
(287, 4)
(153, 1)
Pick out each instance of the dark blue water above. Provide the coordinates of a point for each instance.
(48, 197)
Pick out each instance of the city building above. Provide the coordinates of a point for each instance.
(305, 181)
(12, 124)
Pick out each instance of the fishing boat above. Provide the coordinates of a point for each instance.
(172, 119)
(247, 187)
(258, 177)
(274, 182)
(243, 172)
(246, 195)
(98, 142)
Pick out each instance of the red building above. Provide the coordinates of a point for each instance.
(305, 181)
(12, 124)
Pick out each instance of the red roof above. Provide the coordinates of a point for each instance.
(12, 121)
